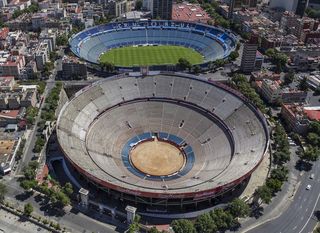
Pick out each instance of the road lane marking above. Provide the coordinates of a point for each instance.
(314, 207)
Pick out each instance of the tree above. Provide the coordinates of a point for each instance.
(68, 189)
(53, 56)
(28, 184)
(139, 4)
(184, 64)
(270, 52)
(274, 185)
(238, 208)
(280, 173)
(219, 62)
(222, 219)
(196, 69)
(134, 226)
(62, 40)
(313, 139)
(205, 224)
(183, 226)
(3, 191)
(314, 127)
(28, 209)
(303, 84)
(288, 78)
(233, 55)
(62, 199)
(280, 60)
(280, 157)
(264, 193)
(310, 154)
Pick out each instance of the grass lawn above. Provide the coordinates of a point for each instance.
(150, 55)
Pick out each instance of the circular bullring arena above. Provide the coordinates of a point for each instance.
(163, 140)
(152, 43)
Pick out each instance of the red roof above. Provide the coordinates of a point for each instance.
(4, 33)
(313, 114)
(9, 113)
(189, 12)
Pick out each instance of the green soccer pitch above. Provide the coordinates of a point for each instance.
(150, 55)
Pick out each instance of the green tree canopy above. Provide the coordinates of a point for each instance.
(274, 185)
(184, 64)
(238, 208)
(311, 154)
(28, 209)
(288, 78)
(205, 224)
(222, 219)
(264, 193)
(280, 173)
(183, 226)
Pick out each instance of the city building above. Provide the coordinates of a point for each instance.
(42, 55)
(264, 74)
(8, 150)
(271, 90)
(251, 58)
(162, 9)
(3, 3)
(235, 5)
(301, 7)
(29, 98)
(313, 113)
(286, 5)
(7, 83)
(10, 117)
(73, 68)
(295, 117)
(13, 100)
(292, 95)
(189, 12)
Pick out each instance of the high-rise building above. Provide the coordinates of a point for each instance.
(3, 3)
(301, 7)
(249, 54)
(162, 9)
(296, 6)
(239, 4)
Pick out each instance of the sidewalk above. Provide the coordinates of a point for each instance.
(14, 224)
(280, 202)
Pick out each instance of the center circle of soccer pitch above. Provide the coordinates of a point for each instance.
(157, 158)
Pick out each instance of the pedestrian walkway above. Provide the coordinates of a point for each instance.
(13, 224)
(258, 178)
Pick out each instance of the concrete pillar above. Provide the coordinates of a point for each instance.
(84, 197)
(131, 213)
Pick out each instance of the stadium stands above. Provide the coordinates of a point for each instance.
(213, 43)
(223, 136)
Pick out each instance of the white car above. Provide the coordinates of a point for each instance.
(308, 187)
(312, 176)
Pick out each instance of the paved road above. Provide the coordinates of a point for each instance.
(299, 217)
(30, 142)
(73, 220)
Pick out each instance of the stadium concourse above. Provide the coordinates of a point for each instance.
(211, 42)
(199, 139)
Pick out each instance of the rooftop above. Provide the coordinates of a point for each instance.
(189, 12)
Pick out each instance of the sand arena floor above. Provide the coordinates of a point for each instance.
(157, 158)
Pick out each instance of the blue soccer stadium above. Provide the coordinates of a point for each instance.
(211, 42)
